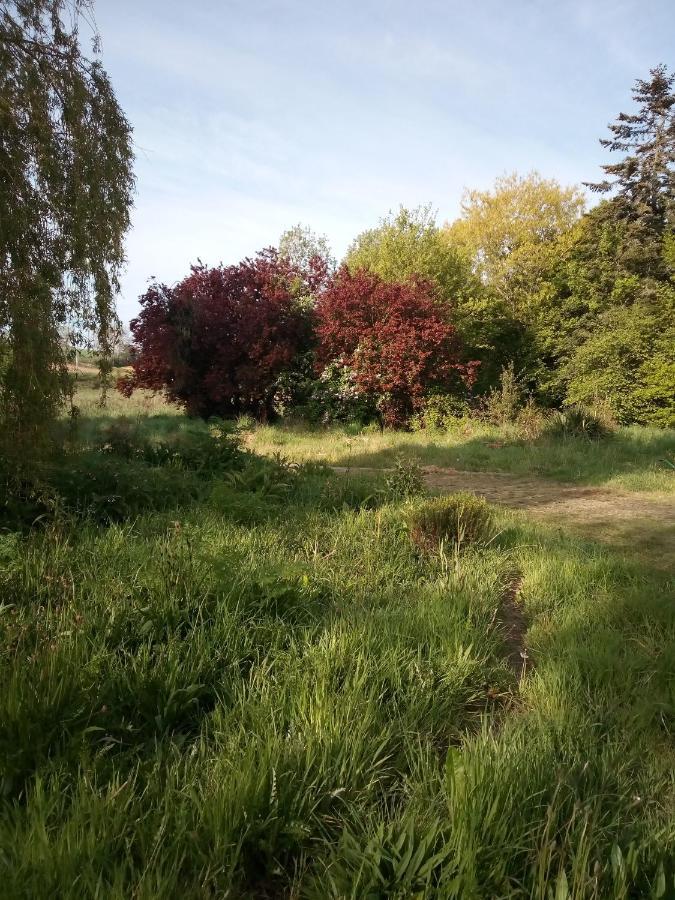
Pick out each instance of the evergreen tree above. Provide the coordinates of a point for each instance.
(643, 182)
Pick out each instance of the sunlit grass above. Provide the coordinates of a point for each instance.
(258, 686)
(632, 459)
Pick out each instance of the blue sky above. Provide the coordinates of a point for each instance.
(252, 116)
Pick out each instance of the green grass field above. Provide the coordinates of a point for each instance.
(634, 459)
(225, 675)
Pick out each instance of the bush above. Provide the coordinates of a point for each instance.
(406, 480)
(125, 474)
(217, 342)
(440, 412)
(578, 421)
(456, 519)
(91, 485)
(392, 339)
(209, 451)
(503, 404)
(334, 398)
(531, 421)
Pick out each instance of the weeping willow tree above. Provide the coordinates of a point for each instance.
(66, 183)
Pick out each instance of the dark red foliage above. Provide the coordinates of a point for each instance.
(217, 340)
(393, 336)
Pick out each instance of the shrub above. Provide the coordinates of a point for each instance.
(406, 480)
(334, 397)
(456, 519)
(578, 421)
(94, 486)
(531, 421)
(215, 449)
(217, 341)
(440, 412)
(503, 404)
(391, 338)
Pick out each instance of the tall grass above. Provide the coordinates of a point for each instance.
(257, 687)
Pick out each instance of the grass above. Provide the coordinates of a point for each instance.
(633, 459)
(248, 683)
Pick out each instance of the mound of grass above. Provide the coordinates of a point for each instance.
(577, 421)
(456, 520)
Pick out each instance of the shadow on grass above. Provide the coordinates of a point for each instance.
(573, 460)
(603, 628)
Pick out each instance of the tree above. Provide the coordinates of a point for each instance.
(391, 340)
(605, 324)
(303, 249)
(65, 192)
(604, 332)
(643, 182)
(216, 342)
(627, 361)
(409, 244)
(512, 235)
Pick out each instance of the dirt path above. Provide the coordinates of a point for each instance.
(638, 524)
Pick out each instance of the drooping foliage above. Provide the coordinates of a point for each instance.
(217, 340)
(65, 194)
(391, 339)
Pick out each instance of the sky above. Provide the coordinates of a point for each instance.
(250, 117)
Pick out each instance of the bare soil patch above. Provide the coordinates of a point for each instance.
(640, 525)
(513, 627)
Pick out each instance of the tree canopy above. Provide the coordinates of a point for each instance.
(409, 244)
(511, 232)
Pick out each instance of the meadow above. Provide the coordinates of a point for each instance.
(228, 671)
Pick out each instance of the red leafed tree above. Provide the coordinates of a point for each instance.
(394, 339)
(216, 342)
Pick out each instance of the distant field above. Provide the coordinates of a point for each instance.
(88, 397)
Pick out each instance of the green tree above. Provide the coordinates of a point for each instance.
(407, 244)
(65, 194)
(643, 182)
(606, 321)
(627, 361)
(512, 235)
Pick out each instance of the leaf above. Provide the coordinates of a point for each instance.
(562, 891)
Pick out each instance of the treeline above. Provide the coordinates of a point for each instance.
(579, 304)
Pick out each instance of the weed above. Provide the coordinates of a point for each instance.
(577, 421)
(406, 480)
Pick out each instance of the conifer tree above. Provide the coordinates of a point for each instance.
(643, 182)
